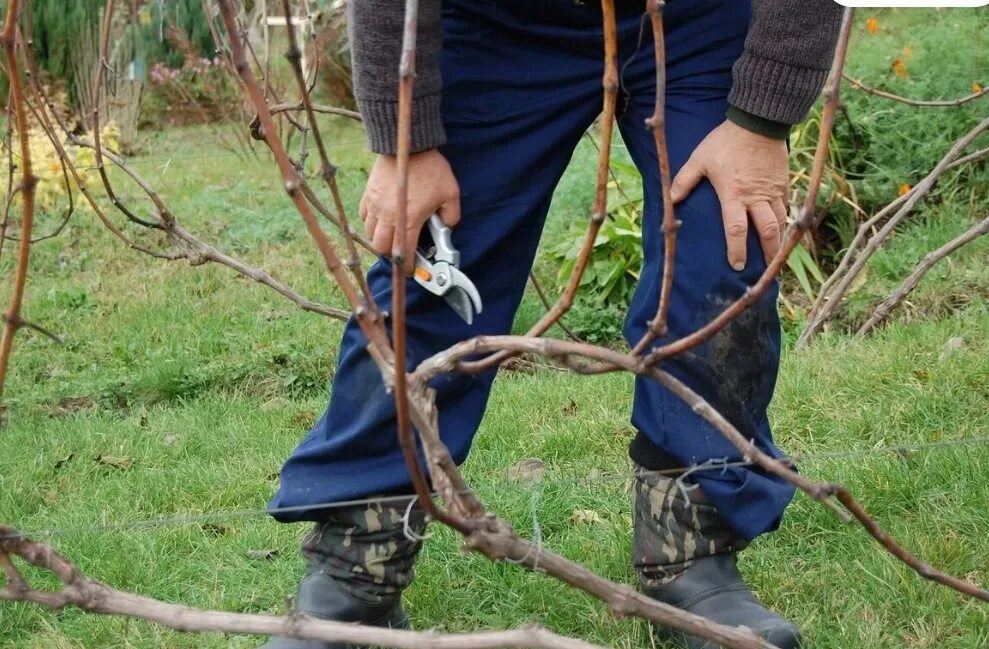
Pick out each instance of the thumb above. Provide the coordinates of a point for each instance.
(690, 174)
(449, 211)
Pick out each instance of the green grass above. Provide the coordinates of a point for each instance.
(196, 385)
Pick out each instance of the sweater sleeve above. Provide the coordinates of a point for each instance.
(788, 52)
(375, 28)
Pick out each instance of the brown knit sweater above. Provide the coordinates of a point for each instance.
(788, 52)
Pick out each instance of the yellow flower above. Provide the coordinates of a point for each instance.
(904, 189)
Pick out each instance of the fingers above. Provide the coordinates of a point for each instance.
(449, 211)
(688, 177)
(768, 227)
(736, 227)
(779, 209)
(383, 239)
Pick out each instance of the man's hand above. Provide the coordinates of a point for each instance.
(749, 173)
(432, 188)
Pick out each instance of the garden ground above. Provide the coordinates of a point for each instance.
(180, 390)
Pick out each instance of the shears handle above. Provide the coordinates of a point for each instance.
(443, 241)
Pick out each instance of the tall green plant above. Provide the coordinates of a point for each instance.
(56, 25)
(187, 17)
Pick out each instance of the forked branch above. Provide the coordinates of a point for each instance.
(76, 589)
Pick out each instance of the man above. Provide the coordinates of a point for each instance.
(492, 134)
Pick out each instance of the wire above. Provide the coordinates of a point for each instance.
(224, 515)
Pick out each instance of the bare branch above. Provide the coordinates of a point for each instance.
(570, 354)
(406, 438)
(96, 597)
(943, 103)
(328, 170)
(316, 108)
(292, 182)
(828, 305)
(12, 320)
(544, 299)
(867, 226)
(657, 124)
(910, 283)
(21, 322)
(609, 84)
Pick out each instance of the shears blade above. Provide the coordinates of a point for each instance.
(437, 272)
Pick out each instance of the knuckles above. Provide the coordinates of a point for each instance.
(736, 229)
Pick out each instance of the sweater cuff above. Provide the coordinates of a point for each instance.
(775, 91)
(381, 124)
(756, 124)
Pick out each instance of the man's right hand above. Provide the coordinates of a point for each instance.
(432, 189)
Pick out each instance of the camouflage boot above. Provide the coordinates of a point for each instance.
(684, 554)
(359, 562)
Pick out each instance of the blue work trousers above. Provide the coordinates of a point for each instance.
(521, 85)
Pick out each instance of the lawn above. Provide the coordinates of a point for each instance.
(179, 391)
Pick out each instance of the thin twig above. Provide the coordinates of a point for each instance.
(48, 333)
(867, 226)
(609, 84)
(316, 108)
(657, 124)
(104, 63)
(406, 438)
(827, 307)
(544, 299)
(328, 172)
(910, 283)
(9, 196)
(943, 103)
(28, 183)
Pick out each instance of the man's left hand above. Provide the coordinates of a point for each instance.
(749, 172)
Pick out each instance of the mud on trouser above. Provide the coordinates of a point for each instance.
(672, 527)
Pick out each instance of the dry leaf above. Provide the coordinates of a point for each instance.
(872, 25)
(266, 555)
(65, 460)
(529, 468)
(977, 88)
(586, 517)
(570, 409)
(907, 52)
(304, 418)
(116, 461)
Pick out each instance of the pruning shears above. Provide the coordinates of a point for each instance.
(437, 270)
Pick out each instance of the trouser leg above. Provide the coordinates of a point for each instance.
(687, 528)
(518, 95)
(736, 370)
(519, 91)
(359, 559)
